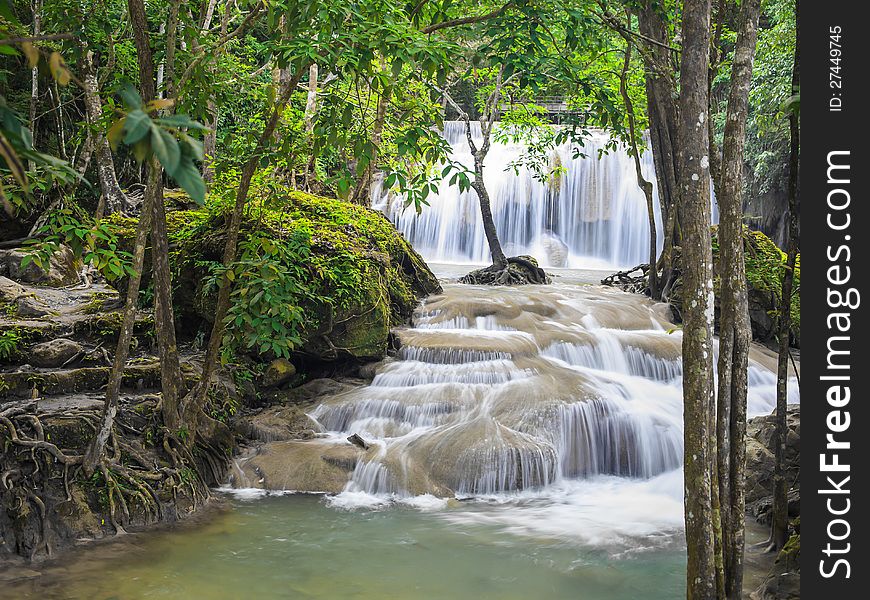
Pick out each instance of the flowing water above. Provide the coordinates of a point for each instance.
(525, 442)
(593, 214)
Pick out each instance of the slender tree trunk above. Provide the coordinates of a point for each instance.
(487, 120)
(115, 199)
(36, 8)
(192, 403)
(171, 378)
(734, 329)
(698, 393)
(169, 367)
(57, 109)
(310, 119)
(209, 143)
(97, 448)
(779, 535)
(171, 42)
(642, 183)
(209, 14)
(499, 260)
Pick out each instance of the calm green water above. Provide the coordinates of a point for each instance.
(299, 547)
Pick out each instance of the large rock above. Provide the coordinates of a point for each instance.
(279, 423)
(554, 248)
(765, 265)
(279, 372)
(359, 277)
(26, 303)
(62, 270)
(300, 466)
(760, 462)
(54, 353)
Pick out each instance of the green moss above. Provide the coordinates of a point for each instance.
(765, 268)
(345, 275)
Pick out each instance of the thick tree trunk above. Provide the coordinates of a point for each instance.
(779, 534)
(662, 111)
(115, 199)
(735, 335)
(698, 393)
(171, 378)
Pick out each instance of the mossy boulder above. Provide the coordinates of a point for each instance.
(346, 274)
(765, 268)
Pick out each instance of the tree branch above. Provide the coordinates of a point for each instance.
(467, 20)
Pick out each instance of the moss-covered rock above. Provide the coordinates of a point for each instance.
(765, 268)
(321, 276)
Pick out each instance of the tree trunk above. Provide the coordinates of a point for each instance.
(169, 58)
(171, 378)
(97, 449)
(193, 402)
(499, 260)
(662, 110)
(734, 329)
(698, 393)
(487, 120)
(209, 142)
(115, 199)
(310, 119)
(36, 9)
(779, 534)
(642, 183)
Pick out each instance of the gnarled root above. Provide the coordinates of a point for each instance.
(520, 270)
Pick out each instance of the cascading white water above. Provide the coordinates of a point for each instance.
(594, 214)
(497, 390)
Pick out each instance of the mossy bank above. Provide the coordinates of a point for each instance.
(316, 278)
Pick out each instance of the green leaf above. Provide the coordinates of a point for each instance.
(130, 96)
(136, 126)
(166, 148)
(190, 179)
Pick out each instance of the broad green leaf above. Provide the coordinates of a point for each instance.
(165, 147)
(138, 123)
(190, 179)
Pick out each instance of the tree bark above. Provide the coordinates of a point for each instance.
(95, 453)
(36, 9)
(209, 142)
(192, 403)
(642, 183)
(310, 119)
(662, 110)
(779, 534)
(698, 393)
(171, 378)
(115, 199)
(169, 58)
(734, 329)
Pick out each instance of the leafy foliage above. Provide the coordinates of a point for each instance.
(95, 242)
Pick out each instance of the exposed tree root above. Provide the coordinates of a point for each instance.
(634, 280)
(131, 480)
(520, 270)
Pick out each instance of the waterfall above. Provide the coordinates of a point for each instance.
(496, 390)
(594, 214)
